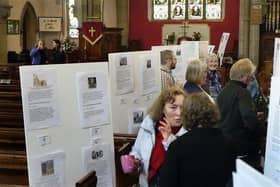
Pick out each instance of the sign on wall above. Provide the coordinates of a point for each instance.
(50, 24)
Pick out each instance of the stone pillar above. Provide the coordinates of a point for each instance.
(243, 46)
(4, 14)
(254, 46)
(254, 43)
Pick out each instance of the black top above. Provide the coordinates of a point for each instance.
(190, 87)
(58, 57)
(239, 121)
(201, 157)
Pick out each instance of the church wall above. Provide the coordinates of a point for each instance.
(3, 39)
(51, 8)
(42, 9)
(110, 13)
(149, 32)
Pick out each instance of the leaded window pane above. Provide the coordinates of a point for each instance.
(178, 10)
(195, 9)
(160, 8)
(213, 9)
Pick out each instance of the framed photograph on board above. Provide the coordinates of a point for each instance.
(50, 24)
(12, 26)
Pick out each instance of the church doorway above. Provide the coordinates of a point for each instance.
(29, 27)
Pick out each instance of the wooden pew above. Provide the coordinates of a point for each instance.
(13, 161)
(12, 136)
(13, 87)
(10, 106)
(12, 119)
(10, 160)
(89, 180)
(9, 71)
(123, 144)
(10, 96)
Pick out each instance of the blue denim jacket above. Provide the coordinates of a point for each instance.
(144, 145)
(36, 56)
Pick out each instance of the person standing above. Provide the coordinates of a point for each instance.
(202, 156)
(239, 121)
(195, 76)
(162, 125)
(168, 63)
(39, 53)
(212, 84)
(57, 55)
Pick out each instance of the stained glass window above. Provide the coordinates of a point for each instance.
(187, 9)
(160, 9)
(213, 9)
(195, 9)
(73, 21)
(178, 10)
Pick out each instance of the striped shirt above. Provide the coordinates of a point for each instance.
(167, 79)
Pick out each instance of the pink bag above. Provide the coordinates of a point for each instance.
(127, 162)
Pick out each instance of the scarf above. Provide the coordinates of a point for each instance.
(158, 152)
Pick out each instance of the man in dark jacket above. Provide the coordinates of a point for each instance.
(239, 121)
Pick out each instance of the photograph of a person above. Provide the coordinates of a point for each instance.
(123, 61)
(47, 168)
(96, 154)
(149, 63)
(92, 82)
(178, 52)
(138, 117)
(178, 11)
(196, 10)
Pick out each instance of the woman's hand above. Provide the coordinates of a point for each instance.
(136, 168)
(164, 128)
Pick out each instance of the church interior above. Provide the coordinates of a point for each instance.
(125, 25)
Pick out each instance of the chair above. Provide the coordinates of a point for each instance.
(89, 180)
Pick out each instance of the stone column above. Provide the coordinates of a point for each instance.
(254, 43)
(4, 14)
(244, 29)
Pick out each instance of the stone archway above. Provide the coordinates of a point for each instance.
(4, 14)
(28, 27)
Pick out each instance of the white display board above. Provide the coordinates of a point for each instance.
(185, 52)
(272, 155)
(67, 120)
(272, 152)
(276, 58)
(222, 46)
(246, 176)
(135, 82)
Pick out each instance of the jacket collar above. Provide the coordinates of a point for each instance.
(239, 83)
(165, 68)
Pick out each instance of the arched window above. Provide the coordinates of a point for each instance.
(73, 22)
(187, 9)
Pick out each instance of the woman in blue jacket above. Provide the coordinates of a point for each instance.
(39, 53)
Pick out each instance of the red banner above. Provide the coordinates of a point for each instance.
(92, 31)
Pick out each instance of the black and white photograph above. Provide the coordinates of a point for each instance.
(123, 61)
(47, 168)
(149, 63)
(96, 154)
(92, 82)
(138, 117)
